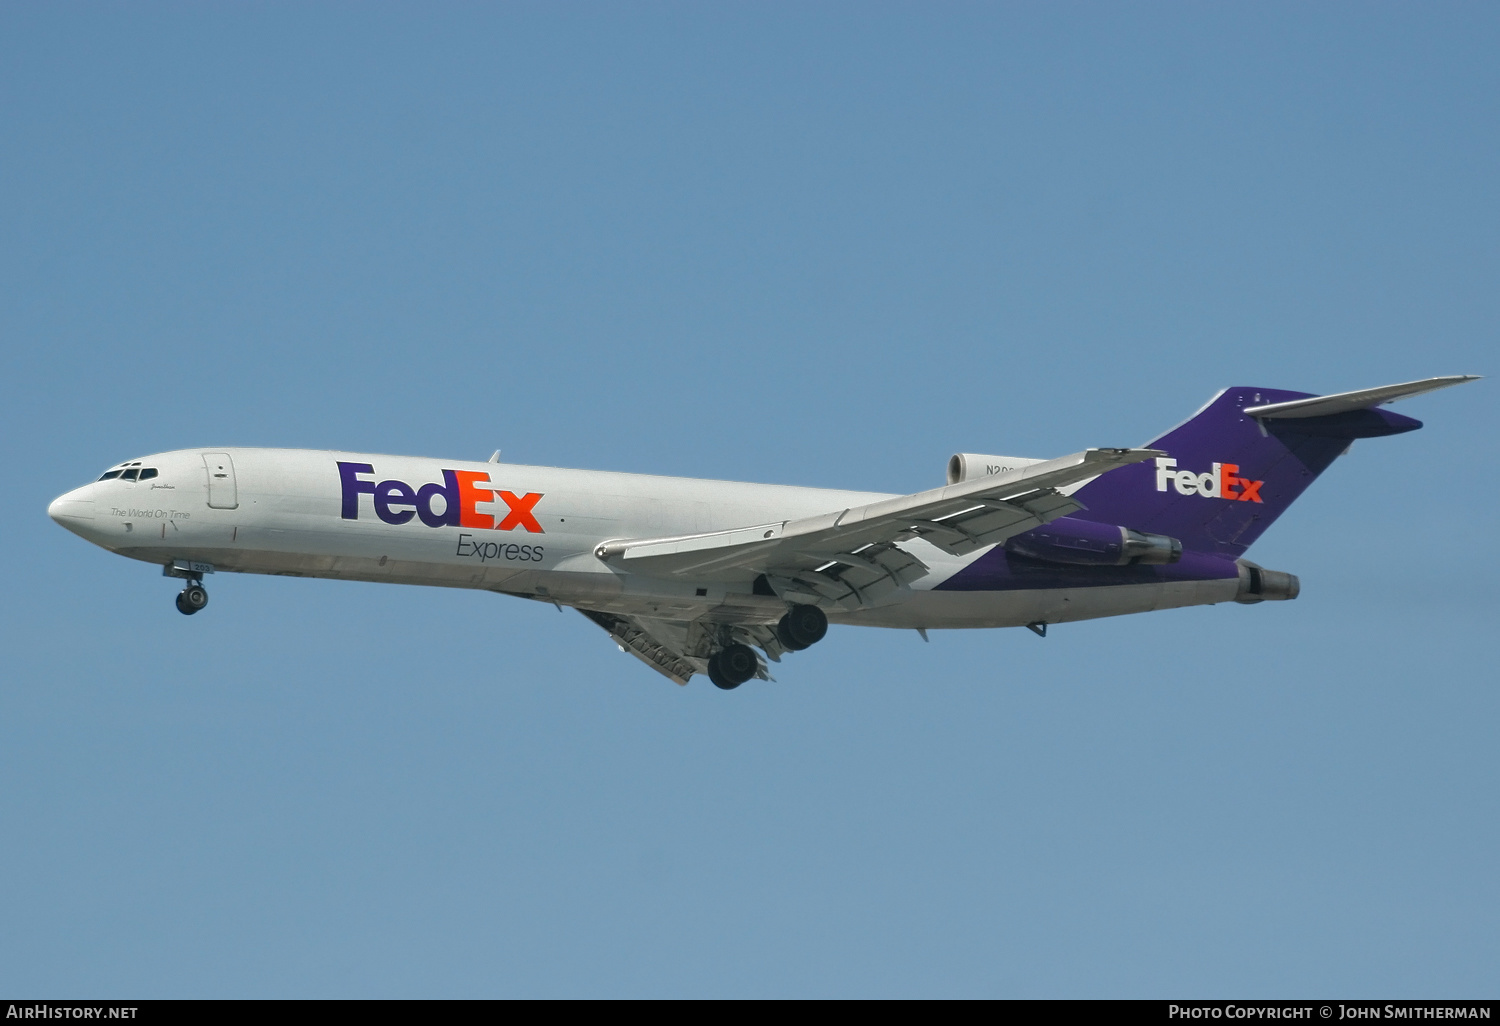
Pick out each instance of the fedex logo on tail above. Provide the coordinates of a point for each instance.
(1222, 482)
(462, 492)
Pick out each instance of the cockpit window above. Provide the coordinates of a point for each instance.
(131, 472)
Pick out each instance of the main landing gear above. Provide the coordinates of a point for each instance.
(802, 627)
(732, 665)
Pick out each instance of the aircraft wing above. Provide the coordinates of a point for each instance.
(851, 557)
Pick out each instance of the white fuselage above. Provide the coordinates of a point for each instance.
(525, 531)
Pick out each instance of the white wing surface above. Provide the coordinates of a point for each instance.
(852, 557)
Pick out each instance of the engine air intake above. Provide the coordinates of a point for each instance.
(966, 466)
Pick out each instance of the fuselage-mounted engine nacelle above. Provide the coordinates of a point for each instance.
(1085, 543)
(966, 466)
(1257, 584)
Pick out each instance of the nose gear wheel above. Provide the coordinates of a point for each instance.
(191, 599)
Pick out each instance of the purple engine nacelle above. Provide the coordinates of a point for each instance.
(1085, 543)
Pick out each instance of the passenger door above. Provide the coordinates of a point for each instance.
(223, 493)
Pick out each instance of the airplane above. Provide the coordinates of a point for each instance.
(694, 576)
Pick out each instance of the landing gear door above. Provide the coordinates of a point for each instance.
(223, 493)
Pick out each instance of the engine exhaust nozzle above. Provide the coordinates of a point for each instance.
(1258, 584)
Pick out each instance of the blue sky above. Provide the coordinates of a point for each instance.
(812, 244)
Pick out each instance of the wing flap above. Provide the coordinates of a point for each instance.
(677, 649)
(634, 638)
(992, 522)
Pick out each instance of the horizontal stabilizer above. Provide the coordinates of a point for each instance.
(1348, 402)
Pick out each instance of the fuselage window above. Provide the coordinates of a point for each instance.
(148, 474)
(129, 475)
(109, 474)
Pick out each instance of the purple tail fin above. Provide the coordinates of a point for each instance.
(1228, 476)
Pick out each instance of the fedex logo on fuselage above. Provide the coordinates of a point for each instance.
(1222, 482)
(462, 492)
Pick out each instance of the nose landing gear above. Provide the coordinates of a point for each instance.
(193, 596)
(191, 599)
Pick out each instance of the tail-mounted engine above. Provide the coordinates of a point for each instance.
(1085, 543)
(966, 466)
(1260, 585)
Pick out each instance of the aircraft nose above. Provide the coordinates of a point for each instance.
(74, 510)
